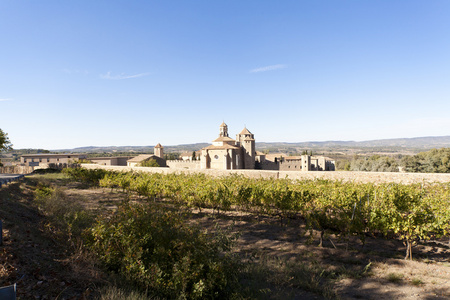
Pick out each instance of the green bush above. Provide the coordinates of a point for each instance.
(153, 247)
(43, 191)
(152, 163)
(91, 177)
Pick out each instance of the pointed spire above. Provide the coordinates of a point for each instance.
(245, 131)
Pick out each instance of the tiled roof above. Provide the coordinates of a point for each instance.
(141, 157)
(245, 131)
(224, 139)
(159, 146)
(225, 146)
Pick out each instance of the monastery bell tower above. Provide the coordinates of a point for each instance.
(223, 130)
(159, 151)
(246, 140)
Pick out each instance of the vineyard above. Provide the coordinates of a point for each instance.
(396, 211)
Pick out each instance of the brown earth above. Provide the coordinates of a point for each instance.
(284, 261)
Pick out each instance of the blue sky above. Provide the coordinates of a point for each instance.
(82, 73)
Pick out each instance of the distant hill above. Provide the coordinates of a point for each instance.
(145, 149)
(418, 144)
(386, 145)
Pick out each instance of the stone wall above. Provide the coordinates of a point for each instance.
(291, 165)
(183, 164)
(16, 170)
(364, 177)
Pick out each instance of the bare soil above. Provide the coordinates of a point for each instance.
(283, 259)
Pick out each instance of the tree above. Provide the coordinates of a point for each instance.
(152, 163)
(5, 143)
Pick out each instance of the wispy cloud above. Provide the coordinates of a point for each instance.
(5, 99)
(110, 76)
(268, 68)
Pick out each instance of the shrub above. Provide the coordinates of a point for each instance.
(152, 163)
(91, 177)
(152, 246)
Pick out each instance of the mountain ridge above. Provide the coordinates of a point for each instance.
(416, 143)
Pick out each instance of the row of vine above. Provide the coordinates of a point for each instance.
(409, 212)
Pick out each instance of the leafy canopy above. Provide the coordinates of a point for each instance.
(5, 143)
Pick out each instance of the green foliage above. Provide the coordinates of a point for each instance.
(154, 247)
(433, 161)
(43, 191)
(92, 177)
(83, 161)
(343, 165)
(149, 163)
(408, 212)
(5, 143)
(172, 156)
(374, 163)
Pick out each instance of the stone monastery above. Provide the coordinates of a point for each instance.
(226, 153)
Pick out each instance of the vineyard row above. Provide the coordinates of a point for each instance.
(408, 212)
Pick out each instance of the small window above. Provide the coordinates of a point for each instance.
(216, 156)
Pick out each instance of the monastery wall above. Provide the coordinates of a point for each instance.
(16, 170)
(364, 177)
(183, 164)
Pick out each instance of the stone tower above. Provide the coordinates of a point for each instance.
(306, 163)
(159, 151)
(246, 140)
(223, 130)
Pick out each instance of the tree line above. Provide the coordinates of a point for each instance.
(432, 161)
